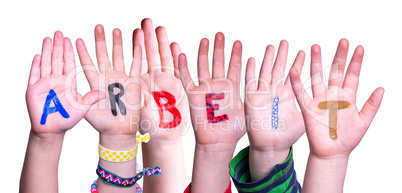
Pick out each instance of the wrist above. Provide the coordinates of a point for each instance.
(118, 142)
(46, 138)
(211, 166)
(336, 158)
(263, 160)
(270, 154)
(325, 174)
(215, 147)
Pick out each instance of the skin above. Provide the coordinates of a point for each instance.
(160, 73)
(53, 69)
(269, 146)
(115, 132)
(215, 142)
(328, 159)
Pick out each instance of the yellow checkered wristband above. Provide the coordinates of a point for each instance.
(122, 156)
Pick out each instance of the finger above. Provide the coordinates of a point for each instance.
(278, 71)
(137, 59)
(138, 39)
(45, 66)
(176, 51)
(250, 75)
(34, 75)
(302, 97)
(317, 80)
(91, 98)
(101, 50)
(218, 61)
(203, 65)
(371, 106)
(164, 50)
(235, 64)
(117, 55)
(338, 65)
(297, 64)
(69, 65)
(185, 77)
(150, 45)
(68, 56)
(88, 66)
(266, 68)
(353, 72)
(57, 54)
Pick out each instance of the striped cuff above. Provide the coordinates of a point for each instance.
(281, 179)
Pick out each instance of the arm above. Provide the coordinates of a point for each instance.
(164, 112)
(271, 139)
(54, 107)
(273, 125)
(282, 178)
(217, 127)
(116, 117)
(334, 125)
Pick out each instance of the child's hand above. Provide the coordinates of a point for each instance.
(160, 84)
(227, 125)
(54, 105)
(351, 125)
(116, 117)
(270, 140)
(165, 112)
(217, 114)
(334, 125)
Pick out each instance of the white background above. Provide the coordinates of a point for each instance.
(375, 165)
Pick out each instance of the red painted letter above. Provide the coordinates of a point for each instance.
(168, 106)
(211, 107)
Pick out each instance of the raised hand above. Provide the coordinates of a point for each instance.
(54, 105)
(271, 134)
(334, 125)
(217, 114)
(116, 117)
(164, 112)
(227, 125)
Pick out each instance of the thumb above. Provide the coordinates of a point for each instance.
(91, 98)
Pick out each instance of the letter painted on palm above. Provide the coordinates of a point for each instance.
(115, 98)
(333, 106)
(58, 107)
(212, 107)
(168, 106)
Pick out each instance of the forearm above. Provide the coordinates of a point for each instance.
(125, 169)
(169, 156)
(325, 174)
(262, 161)
(211, 167)
(41, 164)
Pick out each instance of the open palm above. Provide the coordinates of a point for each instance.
(351, 125)
(230, 127)
(54, 70)
(160, 75)
(259, 102)
(124, 121)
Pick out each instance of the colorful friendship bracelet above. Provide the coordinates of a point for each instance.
(115, 180)
(94, 187)
(122, 156)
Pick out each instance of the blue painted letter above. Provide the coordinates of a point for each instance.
(58, 107)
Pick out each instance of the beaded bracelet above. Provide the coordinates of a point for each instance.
(115, 180)
(122, 156)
